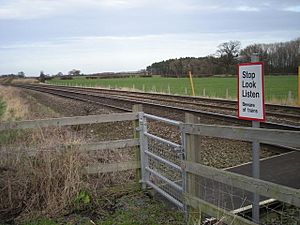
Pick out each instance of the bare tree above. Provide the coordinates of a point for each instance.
(21, 74)
(59, 74)
(282, 57)
(74, 72)
(42, 77)
(228, 51)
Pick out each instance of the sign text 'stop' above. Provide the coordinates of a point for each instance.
(251, 91)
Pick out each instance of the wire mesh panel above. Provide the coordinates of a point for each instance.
(223, 196)
(276, 212)
(239, 202)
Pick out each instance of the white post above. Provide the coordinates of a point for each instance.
(289, 96)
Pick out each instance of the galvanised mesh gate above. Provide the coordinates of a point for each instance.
(161, 161)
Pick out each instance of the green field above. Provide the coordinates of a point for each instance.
(277, 88)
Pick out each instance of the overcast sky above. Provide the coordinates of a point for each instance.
(124, 35)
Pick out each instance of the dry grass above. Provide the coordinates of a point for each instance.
(20, 106)
(16, 107)
(45, 183)
(24, 81)
(286, 101)
(5, 80)
(46, 180)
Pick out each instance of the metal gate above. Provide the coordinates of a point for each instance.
(161, 160)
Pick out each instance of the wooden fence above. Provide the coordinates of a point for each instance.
(194, 169)
(192, 166)
(95, 146)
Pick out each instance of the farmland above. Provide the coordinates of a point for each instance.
(277, 88)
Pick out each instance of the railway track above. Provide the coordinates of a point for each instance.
(290, 112)
(123, 101)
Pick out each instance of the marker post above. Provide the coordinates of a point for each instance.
(192, 82)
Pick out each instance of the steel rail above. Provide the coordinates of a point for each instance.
(193, 99)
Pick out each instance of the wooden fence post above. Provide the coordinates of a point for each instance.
(193, 155)
(136, 134)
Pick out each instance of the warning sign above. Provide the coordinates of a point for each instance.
(251, 91)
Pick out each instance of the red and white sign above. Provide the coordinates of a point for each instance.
(251, 105)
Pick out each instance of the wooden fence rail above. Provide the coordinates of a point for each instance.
(65, 121)
(268, 136)
(112, 167)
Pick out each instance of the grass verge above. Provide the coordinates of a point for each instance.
(135, 208)
(19, 106)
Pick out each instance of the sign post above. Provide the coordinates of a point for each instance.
(251, 107)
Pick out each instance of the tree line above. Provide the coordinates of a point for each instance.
(279, 58)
